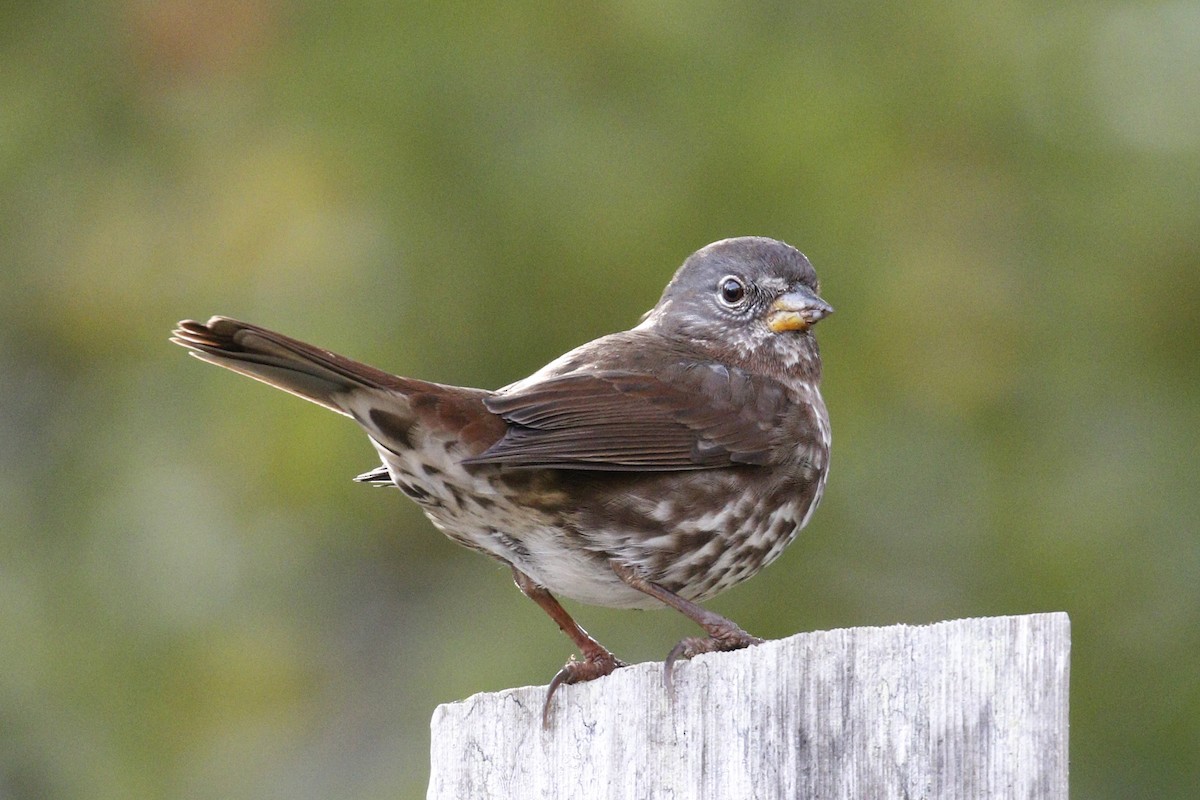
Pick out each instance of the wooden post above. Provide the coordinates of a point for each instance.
(973, 708)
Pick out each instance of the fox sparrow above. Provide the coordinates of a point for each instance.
(659, 465)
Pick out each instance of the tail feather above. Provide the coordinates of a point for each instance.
(389, 407)
(376, 477)
(306, 371)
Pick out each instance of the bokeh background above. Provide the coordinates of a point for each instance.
(1002, 200)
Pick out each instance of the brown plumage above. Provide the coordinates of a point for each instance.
(662, 464)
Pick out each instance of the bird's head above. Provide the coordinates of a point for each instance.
(756, 295)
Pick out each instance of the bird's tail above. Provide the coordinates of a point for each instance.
(325, 378)
(396, 412)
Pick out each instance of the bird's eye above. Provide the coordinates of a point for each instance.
(731, 290)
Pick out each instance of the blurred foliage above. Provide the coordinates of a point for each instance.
(1003, 202)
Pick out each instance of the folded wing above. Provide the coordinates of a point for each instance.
(695, 416)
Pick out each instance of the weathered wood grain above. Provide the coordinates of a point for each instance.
(972, 708)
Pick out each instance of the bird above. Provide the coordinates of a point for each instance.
(656, 466)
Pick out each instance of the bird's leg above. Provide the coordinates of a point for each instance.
(597, 661)
(723, 633)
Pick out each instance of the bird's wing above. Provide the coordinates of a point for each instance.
(698, 416)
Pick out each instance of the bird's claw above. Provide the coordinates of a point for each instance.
(592, 667)
(719, 640)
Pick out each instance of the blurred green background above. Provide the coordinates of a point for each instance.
(1002, 200)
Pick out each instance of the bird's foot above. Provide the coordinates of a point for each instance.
(721, 637)
(595, 665)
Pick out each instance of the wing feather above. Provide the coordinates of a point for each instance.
(693, 416)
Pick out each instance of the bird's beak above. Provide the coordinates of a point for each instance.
(798, 310)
